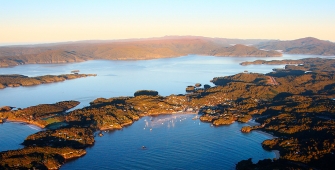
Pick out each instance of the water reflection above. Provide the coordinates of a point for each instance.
(168, 121)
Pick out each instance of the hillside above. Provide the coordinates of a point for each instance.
(307, 45)
(132, 49)
(244, 51)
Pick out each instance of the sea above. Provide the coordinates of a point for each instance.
(160, 142)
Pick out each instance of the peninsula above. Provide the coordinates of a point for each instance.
(294, 105)
(15, 80)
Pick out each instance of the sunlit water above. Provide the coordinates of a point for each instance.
(184, 144)
(12, 134)
(172, 142)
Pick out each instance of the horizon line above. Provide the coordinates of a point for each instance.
(134, 39)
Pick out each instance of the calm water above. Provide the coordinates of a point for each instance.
(12, 134)
(181, 144)
(175, 142)
(123, 78)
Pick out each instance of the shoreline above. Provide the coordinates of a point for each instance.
(277, 153)
(104, 128)
(265, 133)
(151, 115)
(24, 122)
(139, 58)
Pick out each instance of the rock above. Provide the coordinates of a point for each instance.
(13, 85)
(6, 108)
(197, 85)
(190, 89)
(206, 86)
(246, 129)
(207, 118)
(223, 121)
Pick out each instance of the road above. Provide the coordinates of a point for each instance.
(273, 81)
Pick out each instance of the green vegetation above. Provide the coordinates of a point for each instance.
(146, 92)
(39, 115)
(73, 137)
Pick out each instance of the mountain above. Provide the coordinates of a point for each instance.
(132, 49)
(307, 45)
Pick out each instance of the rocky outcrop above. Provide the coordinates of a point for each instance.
(5, 108)
(246, 129)
(76, 154)
(223, 121)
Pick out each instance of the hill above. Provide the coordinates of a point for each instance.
(244, 51)
(132, 49)
(307, 45)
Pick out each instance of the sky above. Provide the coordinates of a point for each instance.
(40, 21)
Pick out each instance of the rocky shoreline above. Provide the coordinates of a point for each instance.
(293, 109)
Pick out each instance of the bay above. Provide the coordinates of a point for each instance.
(123, 78)
(12, 135)
(172, 142)
(188, 144)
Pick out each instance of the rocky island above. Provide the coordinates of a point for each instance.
(294, 105)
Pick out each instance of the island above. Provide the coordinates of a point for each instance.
(295, 105)
(16, 80)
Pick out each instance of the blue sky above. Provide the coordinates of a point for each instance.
(72, 20)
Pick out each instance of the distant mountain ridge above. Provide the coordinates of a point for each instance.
(132, 49)
(161, 47)
(308, 45)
